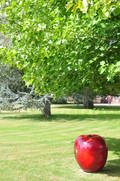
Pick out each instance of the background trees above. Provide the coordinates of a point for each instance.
(65, 47)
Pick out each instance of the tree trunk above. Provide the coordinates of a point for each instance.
(88, 99)
(47, 109)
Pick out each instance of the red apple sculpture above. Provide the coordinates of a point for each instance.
(90, 152)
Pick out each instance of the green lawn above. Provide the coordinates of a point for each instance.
(34, 149)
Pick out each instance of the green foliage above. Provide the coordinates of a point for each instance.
(62, 52)
(102, 8)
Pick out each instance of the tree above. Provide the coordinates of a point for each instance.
(61, 52)
(14, 95)
(102, 46)
(102, 8)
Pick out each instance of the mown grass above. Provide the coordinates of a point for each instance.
(35, 149)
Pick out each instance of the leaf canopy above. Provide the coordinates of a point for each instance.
(61, 51)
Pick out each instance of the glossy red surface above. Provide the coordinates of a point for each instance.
(90, 152)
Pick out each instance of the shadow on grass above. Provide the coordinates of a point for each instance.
(112, 167)
(61, 117)
(97, 107)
